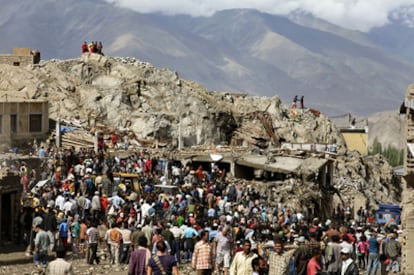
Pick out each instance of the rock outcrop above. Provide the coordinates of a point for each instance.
(156, 104)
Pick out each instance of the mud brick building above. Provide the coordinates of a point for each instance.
(20, 57)
(23, 120)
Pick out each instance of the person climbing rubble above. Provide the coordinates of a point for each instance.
(295, 99)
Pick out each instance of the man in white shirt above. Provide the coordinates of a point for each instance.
(348, 266)
(60, 200)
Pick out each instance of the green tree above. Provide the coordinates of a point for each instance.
(376, 147)
(394, 156)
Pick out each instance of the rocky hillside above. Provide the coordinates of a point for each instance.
(156, 104)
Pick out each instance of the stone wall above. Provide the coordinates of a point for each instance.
(21, 128)
(10, 193)
(407, 217)
(20, 57)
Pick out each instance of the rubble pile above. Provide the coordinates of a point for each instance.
(156, 107)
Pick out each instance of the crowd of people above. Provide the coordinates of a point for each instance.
(213, 224)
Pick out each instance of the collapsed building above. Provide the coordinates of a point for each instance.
(407, 109)
(300, 160)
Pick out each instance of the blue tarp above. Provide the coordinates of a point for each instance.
(66, 129)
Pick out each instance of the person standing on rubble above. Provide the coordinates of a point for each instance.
(85, 48)
(202, 260)
(99, 47)
(222, 247)
(295, 99)
(41, 246)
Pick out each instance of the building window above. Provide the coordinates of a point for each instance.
(1, 124)
(13, 124)
(16, 63)
(35, 123)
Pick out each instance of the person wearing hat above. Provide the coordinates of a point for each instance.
(348, 266)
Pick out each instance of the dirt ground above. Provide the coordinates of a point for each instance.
(14, 261)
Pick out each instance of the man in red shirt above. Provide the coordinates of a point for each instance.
(85, 48)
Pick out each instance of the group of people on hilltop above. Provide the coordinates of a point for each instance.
(92, 47)
(212, 223)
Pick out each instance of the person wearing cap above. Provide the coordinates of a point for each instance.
(348, 266)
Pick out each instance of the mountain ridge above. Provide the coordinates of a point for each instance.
(234, 50)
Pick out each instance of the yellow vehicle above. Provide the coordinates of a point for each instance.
(133, 179)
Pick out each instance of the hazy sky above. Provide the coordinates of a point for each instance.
(353, 14)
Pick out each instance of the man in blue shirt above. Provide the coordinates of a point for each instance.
(189, 234)
(373, 257)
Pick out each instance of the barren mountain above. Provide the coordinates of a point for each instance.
(337, 70)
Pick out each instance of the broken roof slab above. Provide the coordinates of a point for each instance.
(283, 165)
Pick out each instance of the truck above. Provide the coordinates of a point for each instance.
(388, 213)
